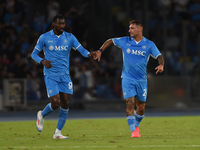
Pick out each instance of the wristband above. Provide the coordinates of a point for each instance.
(101, 50)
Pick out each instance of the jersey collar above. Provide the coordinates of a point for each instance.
(143, 40)
(52, 33)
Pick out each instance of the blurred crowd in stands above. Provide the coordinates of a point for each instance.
(23, 21)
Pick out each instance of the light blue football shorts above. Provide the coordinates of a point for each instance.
(134, 88)
(56, 84)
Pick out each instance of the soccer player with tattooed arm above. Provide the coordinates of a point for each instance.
(56, 45)
(136, 51)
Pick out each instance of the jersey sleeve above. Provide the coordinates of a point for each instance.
(154, 51)
(77, 46)
(38, 47)
(75, 42)
(35, 56)
(40, 43)
(118, 41)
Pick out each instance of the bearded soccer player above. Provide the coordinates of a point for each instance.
(56, 45)
(136, 51)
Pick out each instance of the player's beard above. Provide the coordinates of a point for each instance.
(132, 35)
(59, 31)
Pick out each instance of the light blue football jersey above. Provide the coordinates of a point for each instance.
(57, 49)
(136, 56)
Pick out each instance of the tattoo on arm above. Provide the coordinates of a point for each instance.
(160, 60)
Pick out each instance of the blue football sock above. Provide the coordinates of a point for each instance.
(47, 110)
(138, 119)
(131, 122)
(63, 113)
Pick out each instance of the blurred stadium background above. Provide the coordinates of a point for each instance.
(174, 26)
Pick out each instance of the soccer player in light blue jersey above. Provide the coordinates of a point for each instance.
(56, 45)
(136, 51)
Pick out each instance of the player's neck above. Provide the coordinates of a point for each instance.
(56, 33)
(138, 38)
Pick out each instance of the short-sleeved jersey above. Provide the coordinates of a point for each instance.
(57, 49)
(136, 56)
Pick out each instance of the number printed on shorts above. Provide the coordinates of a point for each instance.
(70, 85)
(145, 93)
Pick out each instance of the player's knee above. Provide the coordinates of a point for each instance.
(130, 106)
(130, 102)
(141, 108)
(55, 103)
(65, 104)
(129, 110)
(129, 113)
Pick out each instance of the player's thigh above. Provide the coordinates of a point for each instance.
(130, 102)
(66, 85)
(128, 88)
(142, 89)
(51, 85)
(65, 96)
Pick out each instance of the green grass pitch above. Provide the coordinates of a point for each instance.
(157, 133)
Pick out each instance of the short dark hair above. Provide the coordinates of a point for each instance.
(58, 16)
(137, 22)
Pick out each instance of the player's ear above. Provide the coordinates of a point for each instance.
(53, 24)
(139, 28)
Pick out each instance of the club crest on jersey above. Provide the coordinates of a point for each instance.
(51, 48)
(144, 47)
(65, 41)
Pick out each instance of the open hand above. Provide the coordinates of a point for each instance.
(159, 69)
(98, 55)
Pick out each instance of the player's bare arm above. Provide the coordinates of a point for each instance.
(160, 67)
(105, 45)
(160, 60)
